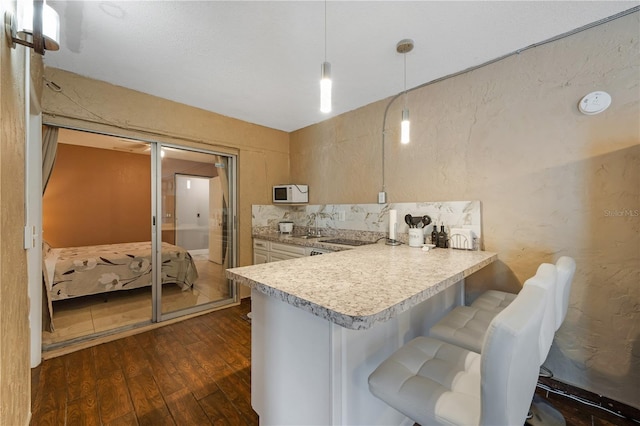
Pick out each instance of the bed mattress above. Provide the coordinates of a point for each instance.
(80, 271)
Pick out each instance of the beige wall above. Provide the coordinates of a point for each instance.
(510, 135)
(263, 153)
(14, 303)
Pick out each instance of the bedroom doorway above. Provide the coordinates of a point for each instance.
(112, 255)
(192, 213)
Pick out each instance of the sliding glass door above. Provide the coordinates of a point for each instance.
(97, 224)
(196, 226)
(136, 232)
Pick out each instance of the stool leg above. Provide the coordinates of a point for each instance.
(543, 413)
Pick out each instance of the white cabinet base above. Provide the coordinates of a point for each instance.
(307, 370)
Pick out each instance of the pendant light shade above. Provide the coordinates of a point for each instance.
(325, 88)
(405, 46)
(405, 127)
(325, 73)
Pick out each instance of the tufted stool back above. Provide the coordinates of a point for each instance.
(546, 278)
(510, 359)
(566, 270)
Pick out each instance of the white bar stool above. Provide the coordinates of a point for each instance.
(434, 382)
(466, 325)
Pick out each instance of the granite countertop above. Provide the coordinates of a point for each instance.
(358, 287)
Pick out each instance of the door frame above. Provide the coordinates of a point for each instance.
(33, 212)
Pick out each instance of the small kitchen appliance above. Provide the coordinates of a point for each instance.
(285, 227)
(290, 194)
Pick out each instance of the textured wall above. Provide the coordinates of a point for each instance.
(263, 153)
(551, 181)
(97, 196)
(14, 303)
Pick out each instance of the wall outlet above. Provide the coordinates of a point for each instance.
(341, 216)
(382, 197)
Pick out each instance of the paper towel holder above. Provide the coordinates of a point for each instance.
(393, 229)
(393, 242)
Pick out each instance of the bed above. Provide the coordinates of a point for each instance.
(81, 271)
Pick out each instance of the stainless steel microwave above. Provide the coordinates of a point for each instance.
(291, 194)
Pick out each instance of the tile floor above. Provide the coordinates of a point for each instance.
(84, 316)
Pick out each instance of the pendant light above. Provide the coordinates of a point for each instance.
(325, 73)
(405, 46)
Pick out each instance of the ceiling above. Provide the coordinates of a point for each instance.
(259, 61)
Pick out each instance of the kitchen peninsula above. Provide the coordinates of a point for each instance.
(322, 324)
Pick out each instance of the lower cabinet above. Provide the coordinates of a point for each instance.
(260, 256)
(269, 251)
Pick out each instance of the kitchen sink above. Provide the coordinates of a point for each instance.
(347, 242)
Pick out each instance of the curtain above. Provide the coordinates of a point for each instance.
(224, 181)
(49, 148)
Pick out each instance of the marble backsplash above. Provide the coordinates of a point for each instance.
(368, 220)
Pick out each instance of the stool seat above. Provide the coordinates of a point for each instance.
(465, 326)
(493, 299)
(429, 379)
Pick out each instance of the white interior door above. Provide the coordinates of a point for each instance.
(192, 213)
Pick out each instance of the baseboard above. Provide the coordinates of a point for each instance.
(590, 398)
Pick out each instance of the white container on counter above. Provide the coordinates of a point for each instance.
(416, 237)
(285, 227)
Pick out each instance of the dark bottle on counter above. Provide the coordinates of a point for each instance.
(434, 235)
(443, 238)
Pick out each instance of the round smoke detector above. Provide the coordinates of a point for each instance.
(594, 103)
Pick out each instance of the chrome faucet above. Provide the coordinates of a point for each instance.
(310, 232)
(313, 232)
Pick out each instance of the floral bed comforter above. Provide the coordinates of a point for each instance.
(80, 271)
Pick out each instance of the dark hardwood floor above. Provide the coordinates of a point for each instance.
(579, 414)
(195, 372)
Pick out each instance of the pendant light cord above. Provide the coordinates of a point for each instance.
(405, 79)
(325, 30)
